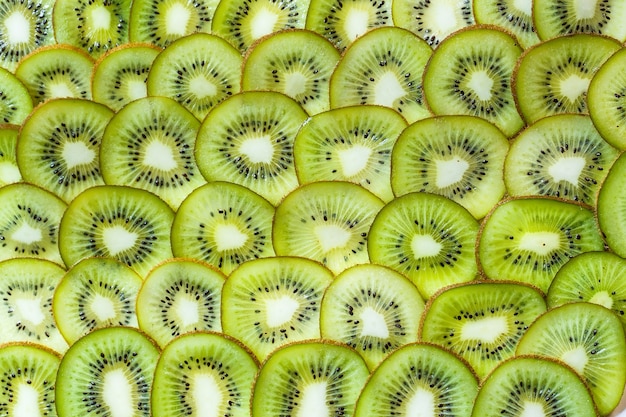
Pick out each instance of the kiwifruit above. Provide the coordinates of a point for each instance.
(459, 157)
(553, 76)
(610, 207)
(528, 239)
(533, 385)
(295, 62)
(470, 73)
(203, 374)
(349, 144)
(590, 339)
(419, 379)
(15, 100)
(427, 237)
(373, 309)
(9, 170)
(180, 296)
(121, 222)
(562, 156)
(481, 321)
(59, 145)
(224, 225)
(270, 302)
(248, 139)
(26, 291)
(383, 67)
(326, 221)
(513, 15)
(148, 144)
(311, 377)
(198, 71)
(110, 372)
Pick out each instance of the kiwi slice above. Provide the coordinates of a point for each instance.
(481, 321)
(224, 225)
(180, 296)
(15, 100)
(26, 292)
(29, 222)
(203, 374)
(270, 302)
(419, 379)
(9, 169)
(383, 67)
(459, 157)
(248, 139)
(470, 73)
(528, 239)
(349, 144)
(319, 377)
(373, 309)
(110, 372)
(295, 62)
(28, 374)
(562, 156)
(427, 237)
(120, 222)
(553, 76)
(610, 207)
(590, 339)
(532, 385)
(120, 75)
(59, 145)
(326, 221)
(148, 144)
(198, 71)
(513, 15)
(342, 22)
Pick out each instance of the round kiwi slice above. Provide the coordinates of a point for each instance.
(373, 309)
(59, 145)
(180, 296)
(459, 157)
(109, 371)
(9, 169)
(427, 237)
(121, 222)
(326, 221)
(295, 62)
(611, 213)
(349, 144)
(198, 71)
(224, 225)
(419, 379)
(528, 239)
(15, 100)
(516, 16)
(481, 321)
(26, 291)
(148, 144)
(562, 156)
(203, 374)
(270, 302)
(553, 76)
(29, 222)
(533, 385)
(383, 67)
(248, 139)
(318, 377)
(470, 73)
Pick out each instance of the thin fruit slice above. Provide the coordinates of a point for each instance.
(611, 206)
(427, 237)
(326, 221)
(306, 376)
(372, 309)
(9, 169)
(383, 67)
(590, 339)
(515, 16)
(459, 157)
(268, 303)
(15, 100)
(528, 239)
(180, 296)
(224, 225)
(349, 144)
(109, 370)
(434, 382)
(481, 321)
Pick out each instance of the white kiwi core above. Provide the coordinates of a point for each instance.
(373, 323)
(421, 403)
(26, 401)
(573, 87)
(487, 329)
(9, 173)
(228, 237)
(100, 18)
(481, 83)
(450, 171)
(331, 237)
(27, 234)
(177, 19)
(117, 239)
(355, 23)
(17, 28)
(354, 159)
(542, 243)
(280, 310)
(60, 89)
(159, 155)
(424, 246)
(263, 22)
(585, 9)
(532, 409)
(258, 149)
(102, 307)
(77, 153)
(576, 358)
(186, 310)
(117, 394)
(602, 298)
(30, 310)
(443, 17)
(207, 395)
(524, 6)
(567, 169)
(314, 402)
(295, 84)
(387, 90)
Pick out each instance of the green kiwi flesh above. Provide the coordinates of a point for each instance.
(9, 169)
(15, 100)
(512, 15)
(610, 207)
